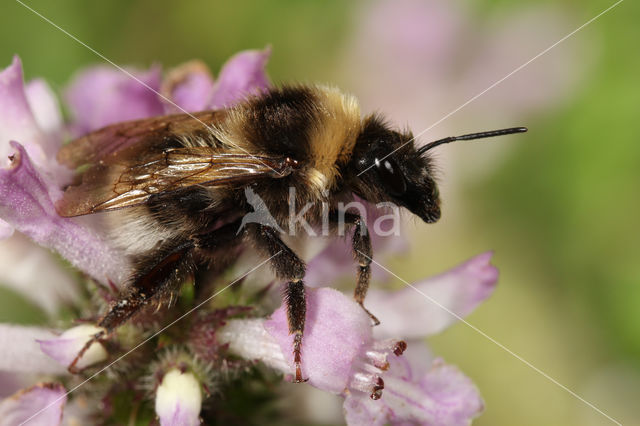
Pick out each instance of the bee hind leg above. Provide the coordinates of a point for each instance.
(151, 280)
(295, 299)
(288, 266)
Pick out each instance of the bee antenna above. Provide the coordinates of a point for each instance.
(471, 136)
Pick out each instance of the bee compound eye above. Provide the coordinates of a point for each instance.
(391, 175)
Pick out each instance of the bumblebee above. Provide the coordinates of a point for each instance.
(173, 188)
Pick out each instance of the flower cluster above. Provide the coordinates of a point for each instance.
(385, 374)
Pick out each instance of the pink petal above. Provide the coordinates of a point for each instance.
(190, 86)
(444, 396)
(335, 333)
(16, 118)
(67, 346)
(361, 410)
(453, 390)
(26, 203)
(249, 339)
(18, 122)
(339, 356)
(19, 408)
(412, 314)
(19, 350)
(23, 265)
(104, 95)
(253, 339)
(45, 107)
(242, 75)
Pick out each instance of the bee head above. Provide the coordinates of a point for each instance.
(386, 166)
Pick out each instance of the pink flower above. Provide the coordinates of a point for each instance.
(30, 135)
(31, 132)
(22, 266)
(441, 396)
(65, 347)
(460, 290)
(30, 182)
(20, 353)
(193, 88)
(342, 355)
(30, 114)
(189, 86)
(19, 408)
(104, 95)
(27, 203)
(242, 75)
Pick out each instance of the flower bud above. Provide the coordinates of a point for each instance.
(68, 345)
(178, 399)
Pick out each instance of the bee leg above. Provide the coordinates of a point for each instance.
(287, 265)
(362, 252)
(295, 299)
(95, 338)
(152, 279)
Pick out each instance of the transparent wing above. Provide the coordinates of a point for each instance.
(125, 184)
(105, 144)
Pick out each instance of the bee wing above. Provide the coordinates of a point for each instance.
(117, 186)
(104, 145)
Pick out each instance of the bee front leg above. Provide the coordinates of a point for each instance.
(95, 338)
(288, 266)
(157, 273)
(362, 252)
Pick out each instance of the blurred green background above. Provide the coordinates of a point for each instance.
(559, 206)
